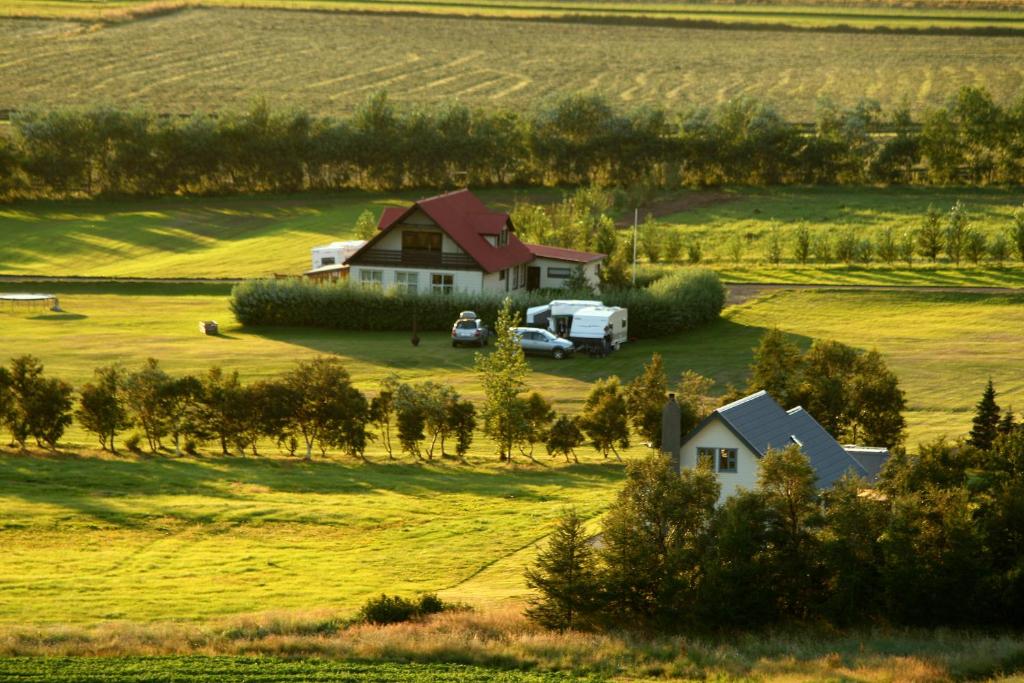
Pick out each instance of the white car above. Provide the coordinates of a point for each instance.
(468, 330)
(537, 340)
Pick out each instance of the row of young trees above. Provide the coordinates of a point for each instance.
(578, 140)
(938, 542)
(950, 234)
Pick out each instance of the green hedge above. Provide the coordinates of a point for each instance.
(676, 302)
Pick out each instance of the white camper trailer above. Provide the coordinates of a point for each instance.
(583, 322)
(592, 324)
(335, 253)
(557, 316)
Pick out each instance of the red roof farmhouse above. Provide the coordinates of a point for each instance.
(453, 242)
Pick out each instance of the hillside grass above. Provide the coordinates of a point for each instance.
(185, 237)
(213, 59)
(89, 538)
(238, 237)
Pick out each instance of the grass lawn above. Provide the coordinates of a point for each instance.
(942, 346)
(214, 58)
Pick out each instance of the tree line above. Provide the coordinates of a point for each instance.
(577, 140)
(316, 405)
(938, 541)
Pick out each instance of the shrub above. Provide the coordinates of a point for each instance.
(673, 303)
(394, 609)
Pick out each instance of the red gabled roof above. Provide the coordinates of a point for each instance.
(466, 220)
(560, 254)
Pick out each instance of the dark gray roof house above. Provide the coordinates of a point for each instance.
(741, 432)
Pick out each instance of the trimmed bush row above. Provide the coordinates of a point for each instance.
(674, 303)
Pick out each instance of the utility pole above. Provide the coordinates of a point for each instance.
(636, 220)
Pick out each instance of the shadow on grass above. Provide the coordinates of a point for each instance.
(87, 485)
(58, 317)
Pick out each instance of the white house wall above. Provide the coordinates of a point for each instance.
(590, 272)
(470, 281)
(716, 435)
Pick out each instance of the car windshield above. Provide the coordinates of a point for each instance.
(466, 325)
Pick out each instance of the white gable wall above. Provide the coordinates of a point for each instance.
(716, 435)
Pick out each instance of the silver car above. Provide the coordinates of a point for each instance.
(536, 340)
(469, 331)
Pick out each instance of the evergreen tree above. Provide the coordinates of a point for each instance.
(564, 575)
(776, 366)
(986, 420)
(1008, 423)
(645, 398)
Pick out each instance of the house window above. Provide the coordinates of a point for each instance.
(706, 455)
(503, 237)
(418, 240)
(726, 460)
(501, 275)
(441, 283)
(327, 261)
(407, 282)
(371, 278)
(559, 273)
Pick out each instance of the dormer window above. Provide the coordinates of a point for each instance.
(503, 237)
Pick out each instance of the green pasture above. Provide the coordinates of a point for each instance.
(90, 538)
(216, 58)
(240, 237)
(943, 346)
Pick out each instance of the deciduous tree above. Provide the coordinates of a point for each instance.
(503, 374)
(604, 418)
(101, 409)
(645, 398)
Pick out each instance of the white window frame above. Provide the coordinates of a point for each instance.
(442, 287)
(371, 278)
(403, 284)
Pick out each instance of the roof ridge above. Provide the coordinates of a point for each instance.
(741, 401)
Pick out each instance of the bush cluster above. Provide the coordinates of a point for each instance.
(394, 609)
(674, 303)
(576, 140)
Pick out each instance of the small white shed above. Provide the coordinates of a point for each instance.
(335, 253)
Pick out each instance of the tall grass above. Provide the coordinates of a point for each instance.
(504, 639)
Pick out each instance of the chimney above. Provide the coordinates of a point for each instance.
(671, 424)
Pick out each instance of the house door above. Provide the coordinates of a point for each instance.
(532, 278)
